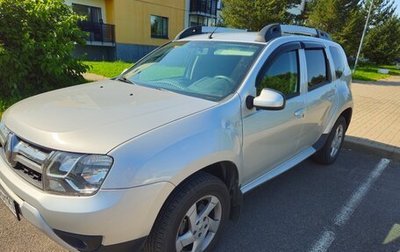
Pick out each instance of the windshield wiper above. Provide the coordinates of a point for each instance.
(124, 79)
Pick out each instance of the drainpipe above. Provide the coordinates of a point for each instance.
(187, 10)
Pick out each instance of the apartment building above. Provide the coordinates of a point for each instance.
(129, 29)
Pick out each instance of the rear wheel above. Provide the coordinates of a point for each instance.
(330, 151)
(193, 216)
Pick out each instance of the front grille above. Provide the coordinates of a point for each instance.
(26, 159)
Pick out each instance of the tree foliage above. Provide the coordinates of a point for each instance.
(340, 18)
(382, 10)
(254, 15)
(382, 44)
(37, 38)
(345, 20)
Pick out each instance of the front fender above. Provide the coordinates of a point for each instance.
(177, 150)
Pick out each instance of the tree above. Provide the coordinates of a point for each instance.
(345, 19)
(382, 10)
(380, 33)
(382, 44)
(342, 19)
(255, 14)
(303, 17)
(37, 38)
(350, 35)
(331, 15)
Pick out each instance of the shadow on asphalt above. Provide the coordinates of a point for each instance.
(289, 212)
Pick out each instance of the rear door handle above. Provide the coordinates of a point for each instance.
(299, 113)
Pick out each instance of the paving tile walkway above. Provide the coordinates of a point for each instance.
(376, 116)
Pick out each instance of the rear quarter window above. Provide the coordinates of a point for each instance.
(338, 60)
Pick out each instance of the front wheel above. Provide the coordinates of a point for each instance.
(192, 217)
(330, 151)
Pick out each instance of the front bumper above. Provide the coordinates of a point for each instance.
(117, 216)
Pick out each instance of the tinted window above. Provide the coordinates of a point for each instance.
(282, 75)
(316, 67)
(338, 60)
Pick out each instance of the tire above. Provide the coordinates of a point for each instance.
(184, 216)
(330, 151)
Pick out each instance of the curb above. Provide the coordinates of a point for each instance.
(351, 142)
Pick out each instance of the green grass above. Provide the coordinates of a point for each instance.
(107, 69)
(392, 69)
(370, 72)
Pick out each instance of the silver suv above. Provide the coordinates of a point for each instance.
(159, 157)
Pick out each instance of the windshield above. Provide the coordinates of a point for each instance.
(209, 70)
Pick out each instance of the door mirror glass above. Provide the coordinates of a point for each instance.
(270, 100)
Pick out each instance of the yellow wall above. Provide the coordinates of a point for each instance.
(132, 19)
(109, 4)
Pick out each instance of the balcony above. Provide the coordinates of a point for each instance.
(99, 33)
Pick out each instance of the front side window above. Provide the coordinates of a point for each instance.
(206, 69)
(282, 75)
(316, 67)
(159, 27)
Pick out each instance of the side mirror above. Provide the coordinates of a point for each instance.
(270, 100)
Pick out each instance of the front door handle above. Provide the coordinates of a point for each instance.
(299, 113)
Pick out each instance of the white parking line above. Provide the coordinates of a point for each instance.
(327, 237)
(348, 209)
(324, 242)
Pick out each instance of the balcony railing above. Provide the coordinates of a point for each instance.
(98, 32)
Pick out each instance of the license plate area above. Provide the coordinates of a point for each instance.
(10, 203)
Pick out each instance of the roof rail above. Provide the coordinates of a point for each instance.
(273, 31)
(196, 30)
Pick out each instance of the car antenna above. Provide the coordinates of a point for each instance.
(210, 37)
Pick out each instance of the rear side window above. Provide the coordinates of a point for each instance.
(316, 67)
(338, 61)
(282, 75)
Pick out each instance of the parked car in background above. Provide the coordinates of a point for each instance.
(159, 157)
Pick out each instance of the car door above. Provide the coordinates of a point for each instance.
(321, 93)
(271, 137)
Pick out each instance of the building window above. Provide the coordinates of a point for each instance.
(208, 7)
(97, 30)
(92, 14)
(201, 20)
(203, 12)
(159, 27)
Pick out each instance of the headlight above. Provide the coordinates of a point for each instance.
(75, 174)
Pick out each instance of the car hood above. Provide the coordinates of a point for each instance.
(95, 118)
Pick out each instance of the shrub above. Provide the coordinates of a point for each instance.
(37, 38)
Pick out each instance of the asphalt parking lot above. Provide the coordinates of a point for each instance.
(353, 205)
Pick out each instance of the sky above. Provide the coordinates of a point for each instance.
(397, 3)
